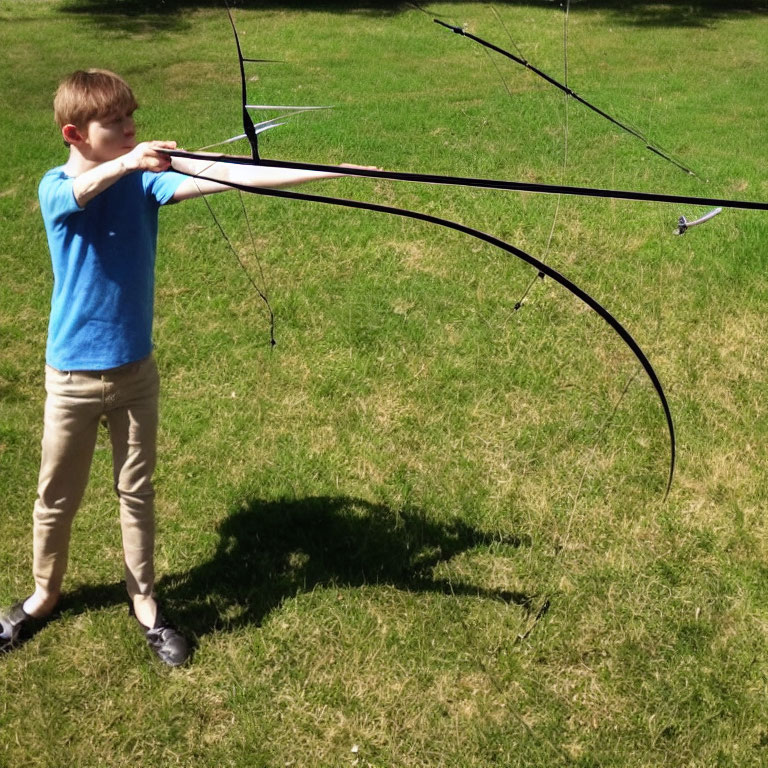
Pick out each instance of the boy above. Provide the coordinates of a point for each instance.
(100, 211)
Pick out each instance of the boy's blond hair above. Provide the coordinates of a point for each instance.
(91, 94)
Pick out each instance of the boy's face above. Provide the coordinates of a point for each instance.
(110, 137)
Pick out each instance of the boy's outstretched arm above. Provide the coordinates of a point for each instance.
(143, 157)
(247, 175)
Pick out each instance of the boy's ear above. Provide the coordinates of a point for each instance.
(71, 134)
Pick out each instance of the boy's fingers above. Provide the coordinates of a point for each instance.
(154, 158)
(163, 144)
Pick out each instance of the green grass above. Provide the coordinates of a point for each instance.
(360, 529)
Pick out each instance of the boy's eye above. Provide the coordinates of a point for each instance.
(117, 119)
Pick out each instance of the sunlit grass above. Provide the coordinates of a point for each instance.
(361, 527)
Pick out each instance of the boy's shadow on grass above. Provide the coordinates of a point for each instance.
(269, 551)
(273, 550)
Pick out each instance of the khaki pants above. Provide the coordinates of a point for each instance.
(76, 402)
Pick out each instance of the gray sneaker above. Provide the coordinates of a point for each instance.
(166, 642)
(16, 626)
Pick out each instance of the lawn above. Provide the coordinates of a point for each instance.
(426, 528)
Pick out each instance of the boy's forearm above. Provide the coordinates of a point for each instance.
(252, 176)
(246, 175)
(208, 177)
(89, 184)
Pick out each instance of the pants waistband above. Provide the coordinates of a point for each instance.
(108, 372)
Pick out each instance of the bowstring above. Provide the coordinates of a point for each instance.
(608, 420)
(564, 170)
(562, 541)
(263, 294)
(545, 602)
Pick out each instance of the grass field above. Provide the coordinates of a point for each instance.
(425, 529)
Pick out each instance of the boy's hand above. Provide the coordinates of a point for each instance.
(147, 157)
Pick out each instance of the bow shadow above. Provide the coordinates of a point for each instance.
(272, 550)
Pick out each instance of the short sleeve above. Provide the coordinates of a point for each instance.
(57, 196)
(162, 186)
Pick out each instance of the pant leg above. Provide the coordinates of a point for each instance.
(72, 409)
(132, 414)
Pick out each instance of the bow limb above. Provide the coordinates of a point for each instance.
(581, 294)
(248, 127)
(481, 183)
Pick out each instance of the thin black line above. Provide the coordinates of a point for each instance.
(519, 303)
(569, 91)
(236, 253)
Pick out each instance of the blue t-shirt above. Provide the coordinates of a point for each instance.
(103, 259)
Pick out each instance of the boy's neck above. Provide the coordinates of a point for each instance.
(78, 163)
